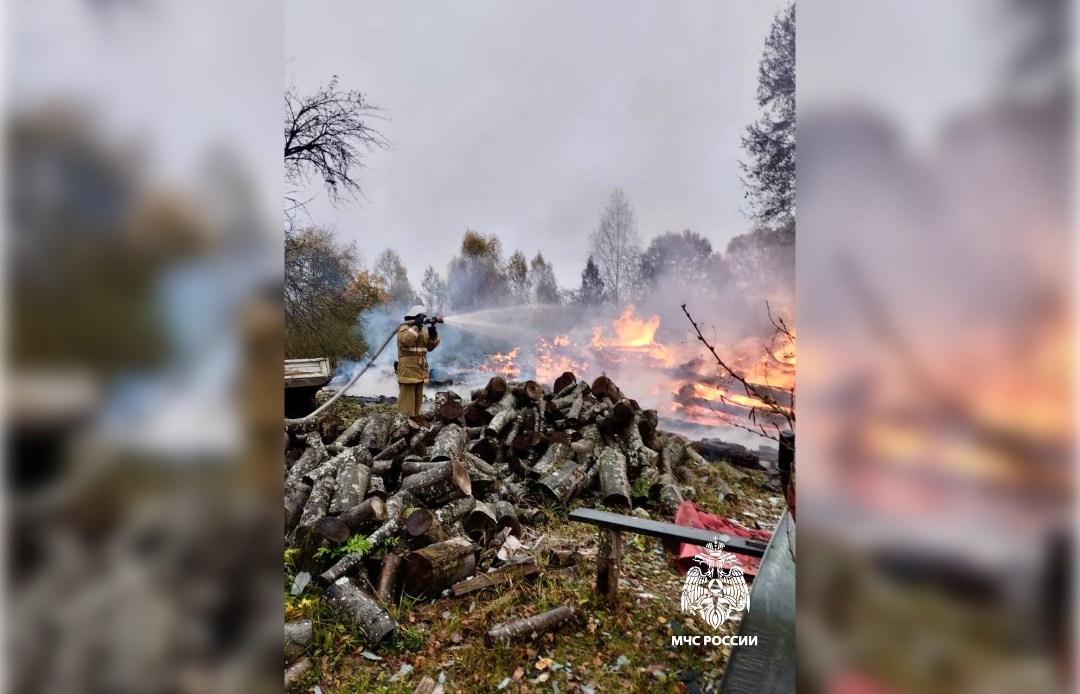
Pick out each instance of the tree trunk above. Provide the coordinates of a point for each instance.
(671, 455)
(475, 462)
(530, 516)
(423, 528)
(329, 426)
(398, 504)
(364, 515)
(315, 508)
(509, 491)
(481, 523)
(296, 496)
(450, 410)
(373, 620)
(485, 449)
(428, 571)
(553, 457)
(332, 528)
(529, 391)
(563, 484)
(314, 456)
(450, 443)
(574, 415)
(388, 529)
(376, 433)
(402, 427)
(392, 451)
(454, 511)
(377, 487)
(563, 382)
(350, 436)
(524, 441)
(668, 495)
(566, 400)
(505, 574)
(638, 455)
(647, 422)
(551, 411)
(506, 518)
(496, 388)
(482, 483)
(603, 387)
(388, 577)
(614, 484)
(500, 422)
(524, 628)
(477, 416)
(327, 469)
(439, 485)
(607, 565)
(583, 451)
(412, 467)
(350, 487)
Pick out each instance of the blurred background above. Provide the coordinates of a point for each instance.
(143, 208)
(936, 384)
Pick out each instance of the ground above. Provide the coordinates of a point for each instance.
(626, 648)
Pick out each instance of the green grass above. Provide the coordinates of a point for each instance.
(447, 635)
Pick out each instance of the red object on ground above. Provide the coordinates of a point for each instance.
(690, 516)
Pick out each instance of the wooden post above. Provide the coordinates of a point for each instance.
(607, 565)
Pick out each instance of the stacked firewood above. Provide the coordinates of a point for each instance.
(442, 495)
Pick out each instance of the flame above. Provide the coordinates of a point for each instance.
(673, 377)
(504, 365)
(630, 331)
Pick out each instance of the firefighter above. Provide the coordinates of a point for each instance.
(413, 344)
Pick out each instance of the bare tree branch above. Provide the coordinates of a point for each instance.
(770, 406)
(326, 137)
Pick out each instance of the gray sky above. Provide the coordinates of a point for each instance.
(520, 118)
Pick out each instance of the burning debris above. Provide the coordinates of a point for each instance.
(671, 373)
(389, 506)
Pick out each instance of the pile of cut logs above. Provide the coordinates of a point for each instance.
(439, 497)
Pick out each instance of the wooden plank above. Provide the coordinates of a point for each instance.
(302, 373)
(667, 531)
(769, 666)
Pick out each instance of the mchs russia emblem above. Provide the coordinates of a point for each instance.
(716, 589)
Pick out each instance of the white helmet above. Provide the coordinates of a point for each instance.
(417, 310)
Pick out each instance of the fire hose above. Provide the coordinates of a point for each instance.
(356, 377)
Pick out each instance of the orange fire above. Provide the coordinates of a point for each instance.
(676, 378)
(504, 365)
